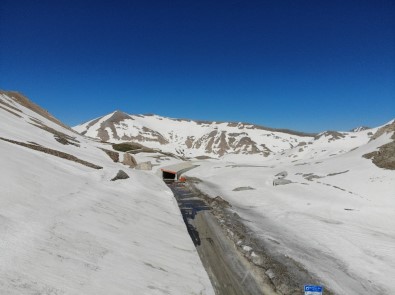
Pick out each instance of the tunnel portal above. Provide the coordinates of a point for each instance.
(168, 175)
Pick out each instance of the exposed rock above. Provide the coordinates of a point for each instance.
(60, 137)
(212, 140)
(113, 155)
(281, 181)
(120, 175)
(9, 106)
(144, 166)
(358, 129)
(203, 157)
(93, 122)
(332, 135)
(385, 156)
(282, 174)
(189, 141)
(243, 188)
(126, 146)
(11, 112)
(311, 176)
(257, 259)
(385, 129)
(128, 159)
(53, 153)
(337, 173)
(218, 201)
(270, 273)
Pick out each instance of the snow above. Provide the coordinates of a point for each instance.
(67, 229)
(339, 226)
(177, 131)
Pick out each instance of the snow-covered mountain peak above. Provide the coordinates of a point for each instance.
(192, 138)
(360, 128)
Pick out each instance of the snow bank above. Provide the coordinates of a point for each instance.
(336, 217)
(67, 229)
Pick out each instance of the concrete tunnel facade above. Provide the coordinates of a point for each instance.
(173, 172)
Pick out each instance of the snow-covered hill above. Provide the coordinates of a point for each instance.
(190, 138)
(334, 213)
(65, 228)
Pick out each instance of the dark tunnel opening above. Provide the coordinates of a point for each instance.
(168, 175)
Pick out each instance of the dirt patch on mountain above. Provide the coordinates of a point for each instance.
(52, 152)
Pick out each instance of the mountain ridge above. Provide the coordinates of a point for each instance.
(195, 138)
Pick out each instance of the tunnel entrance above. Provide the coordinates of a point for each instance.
(169, 175)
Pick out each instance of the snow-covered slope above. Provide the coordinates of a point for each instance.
(190, 138)
(336, 217)
(65, 228)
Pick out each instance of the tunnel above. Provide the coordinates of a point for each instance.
(168, 174)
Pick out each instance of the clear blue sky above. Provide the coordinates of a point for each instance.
(305, 65)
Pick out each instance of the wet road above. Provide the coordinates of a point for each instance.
(189, 205)
(229, 272)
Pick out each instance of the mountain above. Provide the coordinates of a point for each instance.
(324, 201)
(189, 138)
(66, 228)
(326, 206)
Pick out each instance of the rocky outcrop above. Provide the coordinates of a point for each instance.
(385, 156)
(144, 166)
(330, 135)
(113, 155)
(129, 160)
(213, 139)
(385, 129)
(120, 175)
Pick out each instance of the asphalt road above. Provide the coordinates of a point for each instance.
(230, 273)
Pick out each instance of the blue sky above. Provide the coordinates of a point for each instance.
(304, 65)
